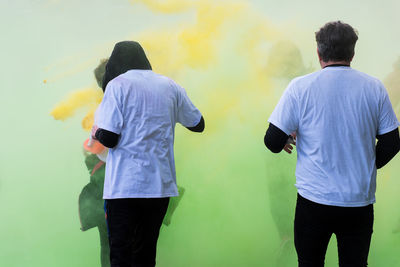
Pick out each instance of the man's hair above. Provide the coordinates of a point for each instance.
(336, 41)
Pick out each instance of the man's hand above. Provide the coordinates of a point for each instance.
(291, 141)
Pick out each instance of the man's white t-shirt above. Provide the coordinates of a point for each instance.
(337, 113)
(143, 107)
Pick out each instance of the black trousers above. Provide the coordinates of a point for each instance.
(315, 223)
(134, 225)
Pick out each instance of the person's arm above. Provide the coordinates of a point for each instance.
(275, 140)
(284, 122)
(199, 127)
(387, 147)
(107, 138)
(188, 115)
(108, 118)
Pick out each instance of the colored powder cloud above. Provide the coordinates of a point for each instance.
(239, 204)
(88, 98)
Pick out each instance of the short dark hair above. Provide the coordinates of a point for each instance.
(336, 41)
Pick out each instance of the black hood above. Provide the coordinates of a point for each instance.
(127, 55)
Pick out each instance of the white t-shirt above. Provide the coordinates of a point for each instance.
(143, 107)
(337, 113)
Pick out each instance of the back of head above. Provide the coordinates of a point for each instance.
(127, 55)
(336, 41)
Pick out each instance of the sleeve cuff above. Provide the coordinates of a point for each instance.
(280, 126)
(109, 128)
(388, 129)
(197, 122)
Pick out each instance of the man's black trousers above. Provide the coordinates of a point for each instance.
(315, 223)
(134, 225)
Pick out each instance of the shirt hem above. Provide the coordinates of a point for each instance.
(280, 126)
(198, 121)
(388, 129)
(109, 128)
(337, 203)
(141, 196)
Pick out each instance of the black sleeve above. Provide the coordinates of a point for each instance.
(275, 139)
(199, 127)
(387, 147)
(107, 138)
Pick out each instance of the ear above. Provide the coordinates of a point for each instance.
(319, 56)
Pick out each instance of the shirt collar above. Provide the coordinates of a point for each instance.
(337, 65)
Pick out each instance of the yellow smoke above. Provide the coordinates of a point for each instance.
(191, 45)
(222, 35)
(392, 83)
(85, 98)
(170, 6)
(228, 54)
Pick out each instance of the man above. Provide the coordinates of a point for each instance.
(136, 120)
(334, 117)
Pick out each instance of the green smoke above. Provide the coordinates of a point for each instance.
(239, 198)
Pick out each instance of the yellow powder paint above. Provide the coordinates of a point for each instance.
(88, 120)
(392, 83)
(170, 6)
(88, 97)
(227, 43)
(234, 64)
(199, 42)
(199, 45)
(192, 45)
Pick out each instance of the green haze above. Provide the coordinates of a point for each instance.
(239, 198)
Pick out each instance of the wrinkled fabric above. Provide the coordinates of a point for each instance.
(337, 113)
(143, 108)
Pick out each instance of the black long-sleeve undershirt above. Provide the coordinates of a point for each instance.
(199, 127)
(107, 138)
(275, 139)
(387, 147)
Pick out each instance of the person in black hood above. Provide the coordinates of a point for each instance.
(136, 120)
(127, 55)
